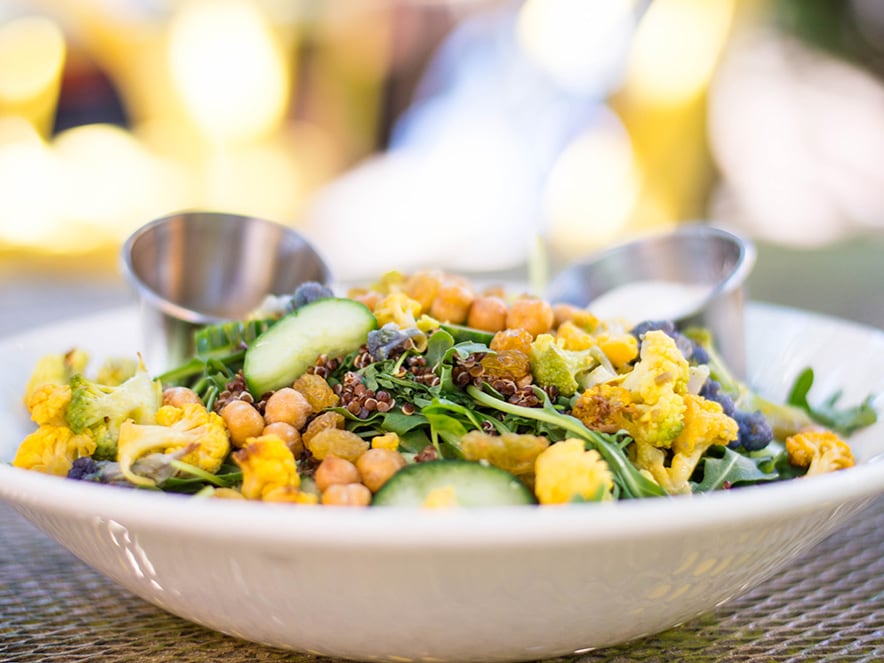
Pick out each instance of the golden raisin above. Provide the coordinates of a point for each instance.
(512, 452)
(320, 423)
(512, 339)
(316, 390)
(341, 443)
(511, 364)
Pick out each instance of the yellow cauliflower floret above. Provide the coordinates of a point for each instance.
(657, 384)
(399, 309)
(819, 451)
(571, 337)
(705, 424)
(201, 434)
(512, 452)
(290, 494)
(48, 402)
(619, 346)
(56, 369)
(567, 472)
(661, 367)
(267, 465)
(389, 441)
(53, 450)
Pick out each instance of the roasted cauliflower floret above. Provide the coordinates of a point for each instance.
(819, 451)
(200, 435)
(48, 403)
(268, 466)
(400, 309)
(554, 366)
(101, 409)
(705, 425)
(53, 450)
(567, 472)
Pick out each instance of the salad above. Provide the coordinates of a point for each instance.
(422, 390)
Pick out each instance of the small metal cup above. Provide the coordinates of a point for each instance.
(196, 268)
(694, 254)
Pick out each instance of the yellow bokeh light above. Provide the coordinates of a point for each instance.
(32, 54)
(229, 69)
(676, 49)
(591, 190)
(29, 180)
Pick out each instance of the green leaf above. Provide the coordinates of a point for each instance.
(399, 423)
(843, 420)
(437, 347)
(731, 469)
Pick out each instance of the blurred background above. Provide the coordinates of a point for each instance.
(472, 135)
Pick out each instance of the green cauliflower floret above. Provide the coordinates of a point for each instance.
(657, 383)
(100, 409)
(195, 434)
(705, 425)
(554, 366)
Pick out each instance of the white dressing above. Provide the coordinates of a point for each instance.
(650, 300)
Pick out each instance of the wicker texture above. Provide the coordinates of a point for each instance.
(829, 606)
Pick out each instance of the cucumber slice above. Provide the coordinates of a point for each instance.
(462, 333)
(473, 484)
(279, 356)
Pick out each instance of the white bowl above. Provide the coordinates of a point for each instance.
(485, 584)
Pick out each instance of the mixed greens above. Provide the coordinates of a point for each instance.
(423, 391)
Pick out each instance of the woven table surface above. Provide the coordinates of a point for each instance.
(827, 606)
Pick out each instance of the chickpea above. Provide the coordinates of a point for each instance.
(423, 286)
(334, 470)
(288, 434)
(377, 465)
(347, 494)
(180, 396)
(532, 314)
(371, 298)
(488, 313)
(243, 421)
(452, 303)
(289, 406)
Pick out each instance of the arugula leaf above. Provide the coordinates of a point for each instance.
(844, 420)
(632, 483)
(731, 469)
